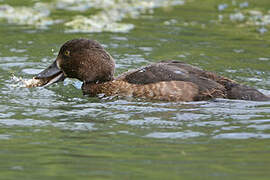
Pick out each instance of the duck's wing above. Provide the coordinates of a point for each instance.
(209, 84)
(169, 71)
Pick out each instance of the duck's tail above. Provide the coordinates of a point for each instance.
(243, 92)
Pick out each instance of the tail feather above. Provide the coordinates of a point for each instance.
(238, 91)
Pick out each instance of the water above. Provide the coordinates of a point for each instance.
(57, 133)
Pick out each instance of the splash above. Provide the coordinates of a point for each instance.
(28, 83)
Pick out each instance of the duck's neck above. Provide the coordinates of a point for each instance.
(99, 81)
(97, 87)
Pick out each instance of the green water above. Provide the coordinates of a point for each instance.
(57, 133)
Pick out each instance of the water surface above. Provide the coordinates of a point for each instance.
(57, 133)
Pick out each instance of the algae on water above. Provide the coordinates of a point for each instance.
(108, 15)
(108, 18)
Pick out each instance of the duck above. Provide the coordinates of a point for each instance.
(169, 80)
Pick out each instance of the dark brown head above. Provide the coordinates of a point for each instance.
(82, 59)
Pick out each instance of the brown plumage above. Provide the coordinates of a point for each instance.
(168, 91)
(89, 62)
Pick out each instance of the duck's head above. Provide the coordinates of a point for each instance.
(82, 59)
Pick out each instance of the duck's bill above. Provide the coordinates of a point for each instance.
(50, 75)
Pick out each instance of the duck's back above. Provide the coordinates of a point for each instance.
(178, 81)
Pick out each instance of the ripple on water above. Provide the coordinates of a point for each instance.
(129, 61)
(242, 135)
(260, 127)
(174, 135)
(31, 71)
(191, 116)
(5, 136)
(13, 59)
(85, 126)
(17, 50)
(151, 121)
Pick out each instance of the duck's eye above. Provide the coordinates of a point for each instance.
(67, 53)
